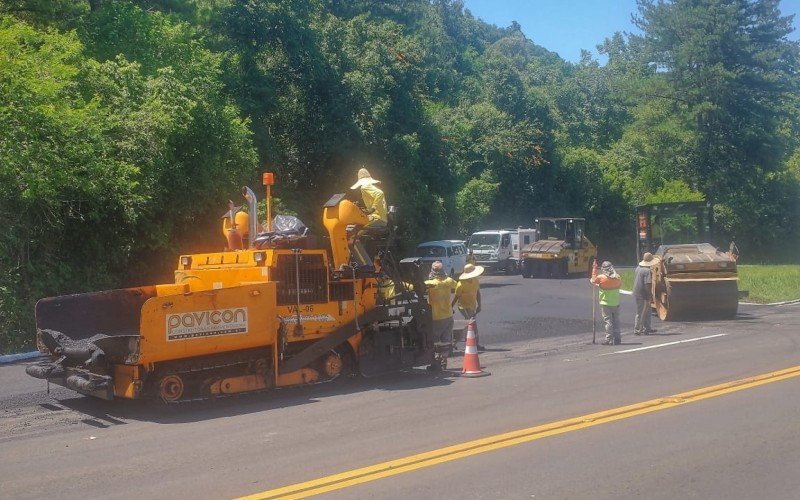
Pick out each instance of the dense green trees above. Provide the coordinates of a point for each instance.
(125, 126)
(107, 167)
(725, 76)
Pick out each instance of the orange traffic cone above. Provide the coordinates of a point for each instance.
(472, 366)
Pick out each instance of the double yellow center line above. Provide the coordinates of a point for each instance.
(496, 442)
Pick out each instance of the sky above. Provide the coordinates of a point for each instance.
(567, 26)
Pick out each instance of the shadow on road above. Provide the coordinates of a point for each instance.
(497, 285)
(103, 414)
(571, 277)
(460, 353)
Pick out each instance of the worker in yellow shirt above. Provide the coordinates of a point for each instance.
(440, 288)
(374, 199)
(369, 237)
(468, 296)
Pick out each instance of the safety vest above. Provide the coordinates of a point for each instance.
(609, 297)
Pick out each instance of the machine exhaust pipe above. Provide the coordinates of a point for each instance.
(252, 212)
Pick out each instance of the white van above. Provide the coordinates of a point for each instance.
(452, 253)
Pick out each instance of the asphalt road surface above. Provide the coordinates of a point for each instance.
(656, 417)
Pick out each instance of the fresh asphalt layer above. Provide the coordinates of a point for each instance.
(544, 370)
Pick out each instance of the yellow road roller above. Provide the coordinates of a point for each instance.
(561, 248)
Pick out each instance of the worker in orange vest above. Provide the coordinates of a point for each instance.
(609, 283)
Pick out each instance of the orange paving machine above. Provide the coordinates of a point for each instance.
(273, 310)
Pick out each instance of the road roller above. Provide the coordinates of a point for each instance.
(561, 248)
(694, 281)
(691, 281)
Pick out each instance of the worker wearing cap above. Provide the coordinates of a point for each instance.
(609, 283)
(440, 287)
(374, 200)
(642, 292)
(468, 295)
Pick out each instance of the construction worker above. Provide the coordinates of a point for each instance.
(374, 200)
(468, 295)
(642, 292)
(440, 287)
(388, 289)
(365, 245)
(609, 283)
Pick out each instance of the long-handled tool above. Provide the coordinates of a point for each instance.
(594, 306)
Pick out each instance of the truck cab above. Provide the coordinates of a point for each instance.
(499, 249)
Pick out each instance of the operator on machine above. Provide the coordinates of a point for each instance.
(374, 200)
(377, 227)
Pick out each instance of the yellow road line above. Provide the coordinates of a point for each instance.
(430, 458)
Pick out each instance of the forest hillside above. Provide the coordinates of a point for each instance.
(125, 127)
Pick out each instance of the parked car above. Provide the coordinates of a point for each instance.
(452, 253)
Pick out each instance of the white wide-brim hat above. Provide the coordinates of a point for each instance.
(364, 179)
(471, 271)
(652, 261)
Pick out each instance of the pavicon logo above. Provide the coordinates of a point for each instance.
(199, 324)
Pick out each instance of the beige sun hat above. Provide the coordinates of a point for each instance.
(649, 260)
(364, 179)
(471, 271)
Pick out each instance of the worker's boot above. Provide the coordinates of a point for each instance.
(439, 363)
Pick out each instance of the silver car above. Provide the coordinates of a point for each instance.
(452, 253)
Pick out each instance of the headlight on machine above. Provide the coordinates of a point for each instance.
(186, 261)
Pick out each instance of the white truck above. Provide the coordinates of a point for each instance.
(499, 249)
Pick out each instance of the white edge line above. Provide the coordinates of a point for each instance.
(664, 345)
(784, 303)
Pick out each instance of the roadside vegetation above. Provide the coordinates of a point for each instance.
(126, 125)
(627, 279)
(765, 283)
